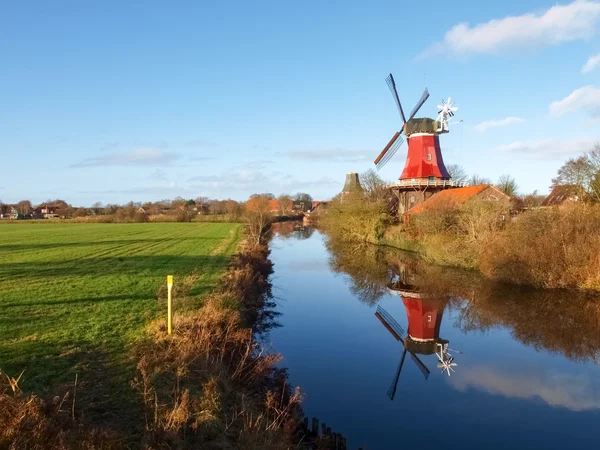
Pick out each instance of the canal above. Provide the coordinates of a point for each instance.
(366, 331)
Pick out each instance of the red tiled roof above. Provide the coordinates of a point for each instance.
(560, 194)
(456, 195)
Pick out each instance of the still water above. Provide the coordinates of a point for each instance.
(524, 369)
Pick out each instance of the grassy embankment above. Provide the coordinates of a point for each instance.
(549, 248)
(82, 300)
(75, 295)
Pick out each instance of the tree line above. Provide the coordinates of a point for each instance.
(180, 209)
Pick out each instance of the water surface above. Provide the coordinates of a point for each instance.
(526, 373)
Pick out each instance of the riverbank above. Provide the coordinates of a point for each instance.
(208, 384)
(544, 248)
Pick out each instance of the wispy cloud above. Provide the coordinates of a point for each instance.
(591, 64)
(139, 157)
(200, 143)
(561, 23)
(158, 174)
(202, 158)
(585, 99)
(252, 181)
(548, 148)
(570, 391)
(333, 155)
(484, 126)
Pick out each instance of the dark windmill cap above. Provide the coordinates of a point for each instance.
(423, 347)
(352, 183)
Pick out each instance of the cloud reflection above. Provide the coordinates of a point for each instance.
(576, 392)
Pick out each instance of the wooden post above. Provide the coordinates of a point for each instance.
(169, 304)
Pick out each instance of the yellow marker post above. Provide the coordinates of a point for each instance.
(169, 304)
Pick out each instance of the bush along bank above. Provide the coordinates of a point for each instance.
(207, 385)
(556, 247)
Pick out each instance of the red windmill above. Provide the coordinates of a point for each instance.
(424, 172)
(424, 320)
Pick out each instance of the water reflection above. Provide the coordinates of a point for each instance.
(566, 322)
(356, 318)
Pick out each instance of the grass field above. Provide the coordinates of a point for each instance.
(75, 297)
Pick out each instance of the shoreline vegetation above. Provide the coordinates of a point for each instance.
(208, 385)
(553, 247)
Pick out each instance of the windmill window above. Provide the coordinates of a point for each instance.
(412, 199)
(428, 156)
(429, 318)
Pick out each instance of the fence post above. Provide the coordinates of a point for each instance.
(169, 304)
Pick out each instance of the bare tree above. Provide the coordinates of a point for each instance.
(284, 202)
(302, 197)
(508, 185)
(258, 217)
(477, 180)
(24, 207)
(457, 173)
(202, 204)
(373, 186)
(97, 208)
(575, 172)
(233, 209)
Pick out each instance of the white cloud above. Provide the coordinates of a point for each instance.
(561, 23)
(591, 64)
(333, 155)
(574, 392)
(484, 126)
(548, 148)
(585, 99)
(139, 157)
(249, 181)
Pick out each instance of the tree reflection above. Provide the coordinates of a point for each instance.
(366, 265)
(292, 230)
(565, 322)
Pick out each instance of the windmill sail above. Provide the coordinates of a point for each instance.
(391, 393)
(423, 99)
(390, 323)
(392, 85)
(422, 367)
(389, 151)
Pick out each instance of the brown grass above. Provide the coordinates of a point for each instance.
(31, 422)
(552, 248)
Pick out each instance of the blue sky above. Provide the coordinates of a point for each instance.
(117, 101)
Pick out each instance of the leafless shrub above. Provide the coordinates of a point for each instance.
(556, 248)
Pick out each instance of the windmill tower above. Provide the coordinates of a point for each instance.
(424, 172)
(424, 320)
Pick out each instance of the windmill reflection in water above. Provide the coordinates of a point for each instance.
(423, 337)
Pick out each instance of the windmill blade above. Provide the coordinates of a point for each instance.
(422, 367)
(392, 85)
(388, 321)
(390, 149)
(391, 152)
(391, 393)
(424, 98)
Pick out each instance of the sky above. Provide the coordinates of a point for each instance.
(115, 101)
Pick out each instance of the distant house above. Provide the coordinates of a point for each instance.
(459, 196)
(11, 213)
(45, 212)
(562, 194)
(302, 206)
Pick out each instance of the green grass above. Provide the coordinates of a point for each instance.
(74, 298)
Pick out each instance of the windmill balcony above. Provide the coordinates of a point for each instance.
(424, 182)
